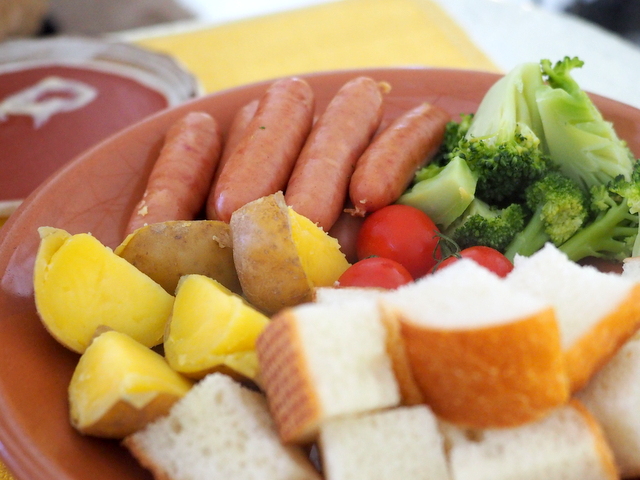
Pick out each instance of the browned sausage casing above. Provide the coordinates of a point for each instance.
(181, 177)
(319, 183)
(388, 165)
(240, 121)
(263, 160)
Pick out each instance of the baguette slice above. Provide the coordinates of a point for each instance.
(484, 354)
(567, 444)
(219, 430)
(613, 396)
(319, 361)
(597, 312)
(400, 443)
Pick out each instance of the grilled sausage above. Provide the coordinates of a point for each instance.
(265, 156)
(388, 165)
(319, 183)
(181, 177)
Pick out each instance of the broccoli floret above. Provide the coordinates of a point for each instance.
(505, 169)
(454, 133)
(503, 145)
(629, 189)
(483, 225)
(584, 145)
(444, 192)
(559, 209)
(613, 232)
(429, 171)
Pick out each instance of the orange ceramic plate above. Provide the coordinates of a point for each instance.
(95, 193)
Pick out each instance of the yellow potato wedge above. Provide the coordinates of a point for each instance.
(168, 250)
(119, 386)
(81, 285)
(281, 256)
(212, 329)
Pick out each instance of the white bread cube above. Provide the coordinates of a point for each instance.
(483, 353)
(401, 443)
(219, 430)
(409, 392)
(346, 294)
(631, 268)
(567, 444)
(613, 396)
(322, 360)
(597, 311)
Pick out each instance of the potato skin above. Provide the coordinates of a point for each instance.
(119, 386)
(166, 251)
(266, 257)
(123, 419)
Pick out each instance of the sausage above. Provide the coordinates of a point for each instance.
(237, 128)
(345, 230)
(388, 165)
(264, 158)
(181, 177)
(319, 183)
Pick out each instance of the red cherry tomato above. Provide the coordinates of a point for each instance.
(485, 256)
(375, 272)
(401, 233)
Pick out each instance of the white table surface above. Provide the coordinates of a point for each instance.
(508, 31)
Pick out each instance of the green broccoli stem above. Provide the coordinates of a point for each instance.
(604, 237)
(531, 239)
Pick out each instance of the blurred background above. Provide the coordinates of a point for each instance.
(19, 18)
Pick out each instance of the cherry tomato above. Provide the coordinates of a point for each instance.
(485, 256)
(375, 272)
(401, 233)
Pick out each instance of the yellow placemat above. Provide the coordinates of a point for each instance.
(336, 35)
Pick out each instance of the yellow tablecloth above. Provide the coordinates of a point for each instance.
(337, 35)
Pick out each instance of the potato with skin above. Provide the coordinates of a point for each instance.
(212, 330)
(166, 251)
(281, 256)
(119, 386)
(80, 285)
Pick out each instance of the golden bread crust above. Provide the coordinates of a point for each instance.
(601, 444)
(409, 390)
(599, 345)
(497, 376)
(286, 380)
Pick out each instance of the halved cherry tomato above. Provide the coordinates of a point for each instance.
(375, 272)
(401, 233)
(486, 256)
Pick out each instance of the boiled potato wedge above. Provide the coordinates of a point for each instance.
(80, 285)
(119, 386)
(281, 256)
(168, 250)
(212, 329)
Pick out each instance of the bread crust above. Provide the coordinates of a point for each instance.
(594, 349)
(145, 460)
(601, 444)
(495, 376)
(409, 390)
(286, 380)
